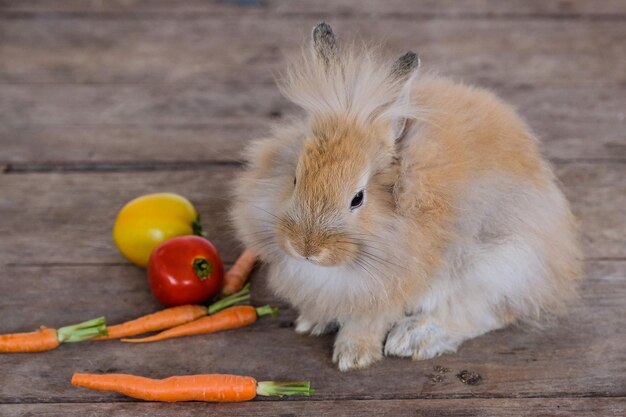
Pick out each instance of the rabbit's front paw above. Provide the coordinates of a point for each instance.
(306, 326)
(419, 338)
(356, 354)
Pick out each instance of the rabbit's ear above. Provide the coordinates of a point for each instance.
(403, 72)
(405, 66)
(324, 43)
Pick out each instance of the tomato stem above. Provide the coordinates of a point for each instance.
(82, 331)
(238, 298)
(196, 226)
(202, 268)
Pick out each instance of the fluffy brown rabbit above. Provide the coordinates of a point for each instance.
(413, 212)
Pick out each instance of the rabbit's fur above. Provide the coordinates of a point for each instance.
(462, 228)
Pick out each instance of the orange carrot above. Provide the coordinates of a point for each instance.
(48, 339)
(238, 274)
(231, 318)
(38, 341)
(174, 316)
(211, 387)
(160, 320)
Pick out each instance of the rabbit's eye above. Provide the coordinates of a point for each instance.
(357, 200)
(294, 181)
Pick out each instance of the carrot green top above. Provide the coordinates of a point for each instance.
(82, 331)
(280, 389)
(238, 298)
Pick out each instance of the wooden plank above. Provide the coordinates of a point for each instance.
(599, 207)
(28, 105)
(569, 137)
(448, 8)
(98, 144)
(82, 104)
(565, 407)
(150, 7)
(581, 355)
(492, 9)
(44, 216)
(83, 206)
(126, 49)
(192, 123)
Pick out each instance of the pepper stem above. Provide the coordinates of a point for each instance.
(238, 298)
(281, 389)
(202, 268)
(265, 310)
(196, 226)
(82, 331)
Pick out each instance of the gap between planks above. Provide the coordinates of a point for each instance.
(409, 16)
(562, 407)
(81, 265)
(144, 166)
(483, 396)
(140, 166)
(227, 263)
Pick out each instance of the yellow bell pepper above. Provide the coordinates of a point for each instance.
(148, 220)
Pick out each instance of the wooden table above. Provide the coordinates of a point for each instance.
(102, 101)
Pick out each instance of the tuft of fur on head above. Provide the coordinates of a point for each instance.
(354, 80)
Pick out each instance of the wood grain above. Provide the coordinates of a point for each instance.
(561, 407)
(399, 8)
(241, 49)
(171, 104)
(171, 82)
(41, 201)
(194, 123)
(43, 216)
(156, 143)
(581, 355)
(493, 9)
(570, 135)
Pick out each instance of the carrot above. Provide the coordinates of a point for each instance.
(231, 318)
(210, 387)
(174, 316)
(48, 339)
(238, 274)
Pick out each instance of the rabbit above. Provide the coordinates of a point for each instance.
(409, 211)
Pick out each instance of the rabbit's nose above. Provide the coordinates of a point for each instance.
(310, 253)
(305, 248)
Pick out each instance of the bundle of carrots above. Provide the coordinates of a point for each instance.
(175, 316)
(231, 318)
(209, 387)
(48, 339)
(200, 319)
(187, 320)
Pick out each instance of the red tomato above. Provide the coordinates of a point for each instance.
(185, 270)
